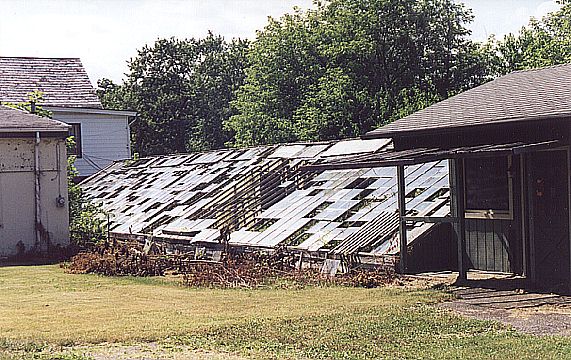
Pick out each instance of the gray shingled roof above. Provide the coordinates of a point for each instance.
(520, 96)
(63, 81)
(13, 120)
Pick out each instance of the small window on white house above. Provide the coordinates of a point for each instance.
(75, 131)
(488, 188)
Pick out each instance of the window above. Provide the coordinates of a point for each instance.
(488, 188)
(75, 131)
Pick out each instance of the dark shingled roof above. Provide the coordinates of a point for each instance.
(63, 81)
(13, 120)
(520, 96)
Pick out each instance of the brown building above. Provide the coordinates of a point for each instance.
(508, 146)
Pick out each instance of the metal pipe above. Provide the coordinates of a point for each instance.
(58, 168)
(38, 220)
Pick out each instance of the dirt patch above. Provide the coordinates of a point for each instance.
(531, 313)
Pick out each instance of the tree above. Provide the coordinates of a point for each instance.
(113, 96)
(542, 43)
(352, 65)
(181, 90)
(284, 65)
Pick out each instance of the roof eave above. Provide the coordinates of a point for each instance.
(380, 134)
(21, 130)
(87, 110)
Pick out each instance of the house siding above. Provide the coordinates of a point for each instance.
(105, 139)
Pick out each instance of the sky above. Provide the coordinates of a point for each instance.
(501, 17)
(106, 33)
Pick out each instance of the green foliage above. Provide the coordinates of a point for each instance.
(86, 219)
(181, 90)
(542, 43)
(113, 96)
(33, 105)
(353, 65)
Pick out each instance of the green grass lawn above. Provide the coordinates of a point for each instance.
(42, 309)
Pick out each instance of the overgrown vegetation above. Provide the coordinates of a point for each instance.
(337, 71)
(181, 90)
(32, 105)
(350, 66)
(544, 42)
(86, 219)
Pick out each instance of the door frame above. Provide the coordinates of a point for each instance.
(528, 248)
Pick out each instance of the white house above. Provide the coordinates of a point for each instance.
(33, 184)
(102, 136)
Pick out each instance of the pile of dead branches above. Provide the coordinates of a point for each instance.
(118, 260)
(368, 278)
(264, 270)
(249, 270)
(235, 270)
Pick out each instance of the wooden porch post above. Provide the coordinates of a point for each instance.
(458, 211)
(524, 191)
(402, 222)
(568, 160)
(529, 189)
